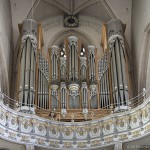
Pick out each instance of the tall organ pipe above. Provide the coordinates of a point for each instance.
(54, 83)
(63, 95)
(43, 79)
(91, 51)
(73, 59)
(54, 61)
(63, 68)
(28, 60)
(83, 68)
(115, 34)
(84, 92)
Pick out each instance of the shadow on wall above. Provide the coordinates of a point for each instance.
(4, 81)
(144, 69)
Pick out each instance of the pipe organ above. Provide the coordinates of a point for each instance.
(27, 64)
(69, 79)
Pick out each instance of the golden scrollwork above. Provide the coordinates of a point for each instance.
(40, 141)
(2, 131)
(25, 138)
(81, 144)
(12, 135)
(136, 133)
(108, 139)
(67, 144)
(95, 142)
(123, 137)
(54, 143)
(147, 127)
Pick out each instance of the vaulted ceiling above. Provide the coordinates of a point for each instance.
(43, 9)
(39, 10)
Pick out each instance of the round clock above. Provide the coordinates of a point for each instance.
(71, 21)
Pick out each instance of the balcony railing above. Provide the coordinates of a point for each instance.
(132, 103)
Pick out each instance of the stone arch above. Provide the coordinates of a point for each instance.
(60, 36)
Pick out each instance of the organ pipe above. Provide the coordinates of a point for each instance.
(27, 61)
(63, 68)
(113, 76)
(73, 58)
(63, 95)
(91, 59)
(115, 33)
(84, 92)
(43, 78)
(83, 68)
(54, 62)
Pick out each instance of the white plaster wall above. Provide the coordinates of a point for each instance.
(140, 21)
(89, 26)
(11, 146)
(20, 10)
(6, 48)
(122, 10)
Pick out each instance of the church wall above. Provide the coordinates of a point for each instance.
(53, 28)
(6, 48)
(140, 42)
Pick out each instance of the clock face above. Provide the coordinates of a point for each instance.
(71, 21)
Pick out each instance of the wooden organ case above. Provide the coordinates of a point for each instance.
(68, 83)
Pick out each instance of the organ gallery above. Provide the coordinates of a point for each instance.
(68, 82)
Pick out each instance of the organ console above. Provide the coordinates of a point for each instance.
(70, 79)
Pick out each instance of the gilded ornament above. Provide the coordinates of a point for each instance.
(67, 144)
(108, 139)
(95, 143)
(25, 138)
(12, 135)
(40, 141)
(123, 137)
(136, 133)
(82, 144)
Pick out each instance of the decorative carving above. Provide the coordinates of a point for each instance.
(12, 135)
(136, 133)
(123, 137)
(43, 66)
(81, 144)
(25, 138)
(108, 139)
(29, 30)
(79, 131)
(102, 65)
(84, 21)
(67, 144)
(40, 141)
